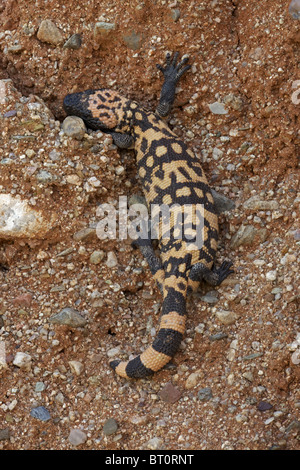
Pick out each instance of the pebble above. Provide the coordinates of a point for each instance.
(77, 437)
(217, 108)
(222, 203)
(73, 126)
(110, 427)
(175, 14)
(205, 394)
(74, 42)
(111, 261)
(85, 234)
(226, 317)
(68, 316)
(22, 360)
(271, 275)
(40, 413)
(169, 393)
(48, 32)
(4, 434)
(76, 367)
(264, 406)
(39, 387)
(155, 443)
(193, 379)
(96, 257)
(244, 236)
(210, 297)
(44, 176)
(294, 9)
(103, 29)
(257, 204)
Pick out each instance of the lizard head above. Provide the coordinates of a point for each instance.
(100, 109)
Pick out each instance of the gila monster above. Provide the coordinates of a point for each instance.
(170, 174)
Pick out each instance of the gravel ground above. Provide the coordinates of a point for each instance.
(69, 302)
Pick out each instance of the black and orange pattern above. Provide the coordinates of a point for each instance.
(170, 174)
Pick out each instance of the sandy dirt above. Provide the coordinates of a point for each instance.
(234, 384)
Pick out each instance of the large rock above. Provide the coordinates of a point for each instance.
(19, 220)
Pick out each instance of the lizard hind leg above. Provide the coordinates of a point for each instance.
(215, 276)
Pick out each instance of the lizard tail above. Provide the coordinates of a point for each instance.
(168, 338)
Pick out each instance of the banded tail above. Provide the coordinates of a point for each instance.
(168, 338)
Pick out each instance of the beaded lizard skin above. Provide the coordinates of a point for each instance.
(170, 174)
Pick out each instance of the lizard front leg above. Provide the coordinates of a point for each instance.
(172, 74)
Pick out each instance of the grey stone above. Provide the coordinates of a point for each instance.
(217, 108)
(68, 316)
(110, 426)
(73, 126)
(77, 437)
(40, 413)
(74, 42)
(294, 9)
(4, 434)
(222, 203)
(255, 203)
(205, 394)
(244, 236)
(96, 257)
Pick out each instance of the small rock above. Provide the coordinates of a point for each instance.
(226, 317)
(111, 260)
(217, 153)
(169, 393)
(113, 352)
(217, 108)
(48, 32)
(73, 126)
(264, 406)
(74, 179)
(40, 413)
(76, 367)
(4, 434)
(22, 360)
(19, 220)
(103, 31)
(155, 443)
(175, 14)
(205, 394)
(110, 427)
(68, 316)
(44, 177)
(244, 236)
(218, 336)
(257, 204)
(96, 257)
(210, 297)
(271, 275)
(294, 9)
(77, 437)
(39, 387)
(74, 42)
(86, 233)
(193, 379)
(222, 202)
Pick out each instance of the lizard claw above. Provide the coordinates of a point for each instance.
(171, 71)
